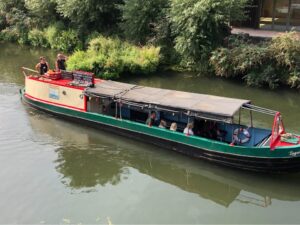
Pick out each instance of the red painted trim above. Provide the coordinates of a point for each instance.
(64, 83)
(85, 103)
(54, 103)
(275, 139)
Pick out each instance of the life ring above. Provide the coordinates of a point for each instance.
(244, 132)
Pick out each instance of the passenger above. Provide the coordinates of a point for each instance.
(151, 119)
(173, 127)
(43, 66)
(163, 124)
(60, 63)
(189, 129)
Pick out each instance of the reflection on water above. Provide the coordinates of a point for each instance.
(96, 158)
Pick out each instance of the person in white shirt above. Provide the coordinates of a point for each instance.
(189, 129)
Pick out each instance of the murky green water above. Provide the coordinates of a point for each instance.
(53, 171)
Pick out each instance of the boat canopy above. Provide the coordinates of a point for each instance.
(198, 105)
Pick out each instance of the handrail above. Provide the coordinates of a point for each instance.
(259, 109)
(24, 69)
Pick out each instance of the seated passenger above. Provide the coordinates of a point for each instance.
(151, 119)
(173, 127)
(163, 124)
(189, 129)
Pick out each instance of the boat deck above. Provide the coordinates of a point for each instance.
(61, 82)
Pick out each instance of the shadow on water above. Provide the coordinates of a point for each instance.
(88, 158)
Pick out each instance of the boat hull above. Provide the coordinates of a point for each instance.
(253, 159)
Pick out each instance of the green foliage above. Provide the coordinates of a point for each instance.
(3, 23)
(189, 34)
(43, 10)
(286, 49)
(9, 34)
(142, 19)
(37, 38)
(201, 25)
(148, 22)
(51, 33)
(109, 58)
(262, 76)
(294, 78)
(270, 63)
(15, 21)
(65, 40)
(86, 15)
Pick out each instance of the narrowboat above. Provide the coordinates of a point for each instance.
(213, 124)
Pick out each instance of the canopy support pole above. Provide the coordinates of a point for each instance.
(120, 104)
(251, 118)
(239, 117)
(116, 110)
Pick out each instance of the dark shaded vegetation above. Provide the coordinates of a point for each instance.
(269, 63)
(138, 37)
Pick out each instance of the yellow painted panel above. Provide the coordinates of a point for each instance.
(55, 93)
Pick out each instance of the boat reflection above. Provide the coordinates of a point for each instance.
(87, 158)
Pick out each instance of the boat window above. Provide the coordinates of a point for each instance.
(100, 105)
(138, 116)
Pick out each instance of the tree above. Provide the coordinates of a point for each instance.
(15, 22)
(201, 25)
(144, 21)
(13, 12)
(43, 10)
(90, 15)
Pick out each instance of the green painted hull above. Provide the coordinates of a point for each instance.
(249, 158)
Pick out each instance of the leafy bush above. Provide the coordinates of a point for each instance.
(90, 15)
(142, 20)
(68, 41)
(60, 39)
(51, 34)
(201, 25)
(286, 50)
(37, 38)
(109, 58)
(9, 34)
(3, 23)
(269, 63)
(263, 76)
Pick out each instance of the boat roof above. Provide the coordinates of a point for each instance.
(208, 105)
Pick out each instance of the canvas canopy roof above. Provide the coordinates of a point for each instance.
(207, 106)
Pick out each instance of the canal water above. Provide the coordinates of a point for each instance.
(53, 171)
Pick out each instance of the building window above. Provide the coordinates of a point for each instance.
(280, 14)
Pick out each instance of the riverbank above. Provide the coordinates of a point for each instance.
(117, 38)
(270, 63)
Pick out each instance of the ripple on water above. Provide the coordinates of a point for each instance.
(9, 89)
